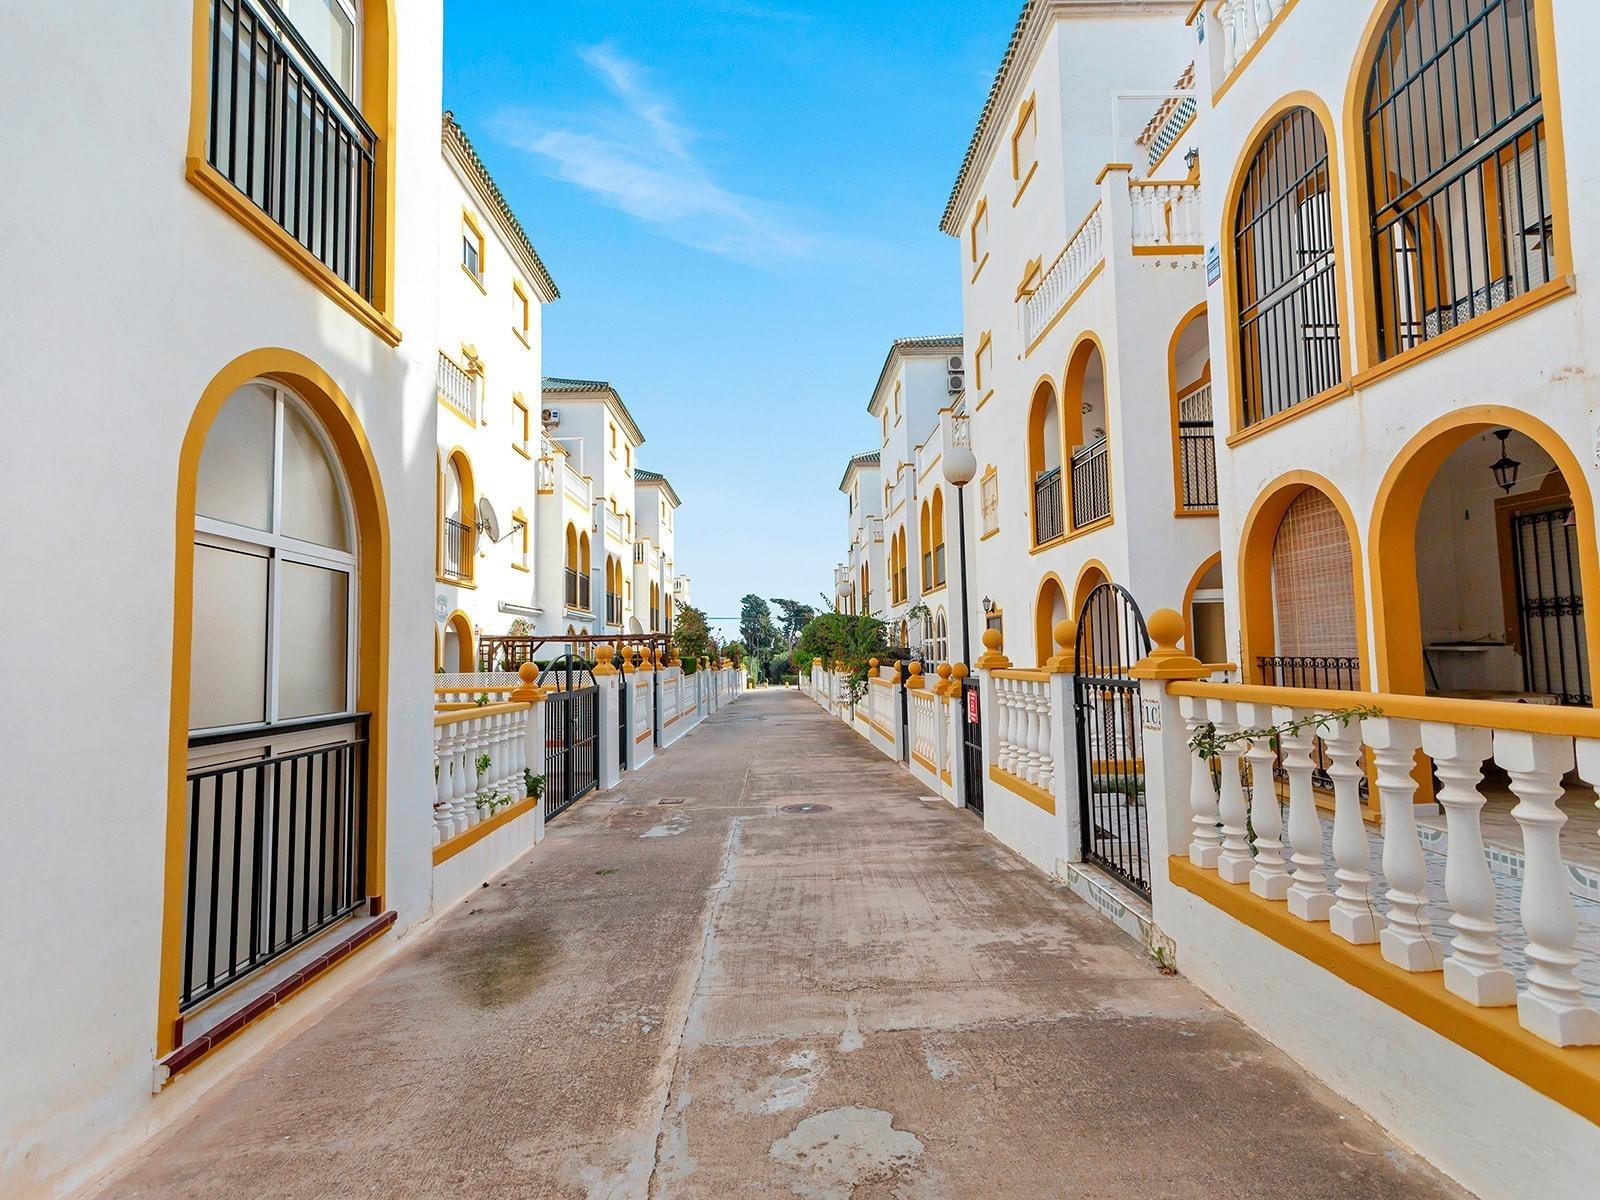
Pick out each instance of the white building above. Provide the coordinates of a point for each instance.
(235, 352)
(654, 551)
(492, 289)
(860, 583)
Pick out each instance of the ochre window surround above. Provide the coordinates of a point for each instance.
(1024, 145)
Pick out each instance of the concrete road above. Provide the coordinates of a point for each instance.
(716, 998)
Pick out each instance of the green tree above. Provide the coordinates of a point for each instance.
(841, 637)
(691, 636)
(756, 629)
(792, 618)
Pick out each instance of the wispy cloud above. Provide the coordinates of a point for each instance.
(636, 153)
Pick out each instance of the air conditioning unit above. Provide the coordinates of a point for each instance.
(958, 383)
(552, 416)
(953, 364)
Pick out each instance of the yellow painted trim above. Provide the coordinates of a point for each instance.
(1392, 540)
(1198, 312)
(1230, 271)
(985, 342)
(1249, 55)
(465, 584)
(1545, 293)
(888, 733)
(1164, 251)
(945, 775)
(454, 714)
(1032, 271)
(1023, 186)
(1023, 790)
(378, 106)
(1294, 412)
(1028, 107)
(928, 470)
(516, 566)
(1058, 540)
(987, 396)
(478, 283)
(1106, 170)
(521, 450)
(1094, 273)
(317, 390)
(466, 643)
(1026, 674)
(1072, 421)
(1568, 1075)
(1079, 531)
(455, 412)
(984, 537)
(447, 850)
(470, 220)
(1044, 639)
(978, 270)
(923, 762)
(1188, 599)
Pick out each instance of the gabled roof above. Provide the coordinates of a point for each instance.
(600, 390)
(870, 459)
(938, 344)
(656, 479)
(455, 139)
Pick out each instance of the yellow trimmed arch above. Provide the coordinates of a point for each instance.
(1090, 576)
(1046, 444)
(1187, 641)
(1049, 606)
(466, 643)
(1174, 390)
(316, 389)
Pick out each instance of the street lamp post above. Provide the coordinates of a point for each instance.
(960, 465)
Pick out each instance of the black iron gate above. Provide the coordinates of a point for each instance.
(972, 745)
(624, 688)
(571, 727)
(1555, 655)
(1111, 801)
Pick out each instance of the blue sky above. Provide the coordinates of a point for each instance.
(740, 203)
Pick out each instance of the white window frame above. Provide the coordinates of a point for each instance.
(277, 547)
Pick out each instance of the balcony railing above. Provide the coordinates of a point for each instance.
(578, 584)
(457, 388)
(1330, 673)
(613, 608)
(1197, 450)
(1047, 508)
(938, 565)
(283, 132)
(458, 547)
(577, 487)
(1239, 25)
(1091, 484)
(1066, 275)
(1165, 213)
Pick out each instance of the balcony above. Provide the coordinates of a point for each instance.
(1047, 508)
(284, 134)
(1065, 278)
(458, 390)
(1234, 28)
(578, 489)
(1091, 484)
(927, 454)
(1197, 451)
(459, 540)
(578, 585)
(614, 609)
(610, 522)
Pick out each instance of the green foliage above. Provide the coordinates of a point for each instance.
(533, 783)
(482, 700)
(792, 617)
(756, 629)
(482, 763)
(1207, 742)
(691, 636)
(852, 640)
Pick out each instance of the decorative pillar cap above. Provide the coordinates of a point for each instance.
(1065, 660)
(1166, 661)
(992, 659)
(603, 654)
(528, 691)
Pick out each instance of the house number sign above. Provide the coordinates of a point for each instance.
(1152, 715)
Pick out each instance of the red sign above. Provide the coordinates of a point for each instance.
(972, 706)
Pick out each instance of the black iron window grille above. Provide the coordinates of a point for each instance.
(1457, 182)
(1091, 484)
(1285, 271)
(1047, 506)
(458, 546)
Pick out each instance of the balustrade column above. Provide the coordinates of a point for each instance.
(1553, 1007)
(1309, 898)
(1205, 843)
(1234, 863)
(1473, 970)
(1269, 877)
(1352, 916)
(462, 783)
(443, 760)
(1407, 939)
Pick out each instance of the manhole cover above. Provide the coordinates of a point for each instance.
(806, 808)
(671, 800)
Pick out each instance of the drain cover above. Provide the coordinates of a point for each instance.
(806, 808)
(673, 800)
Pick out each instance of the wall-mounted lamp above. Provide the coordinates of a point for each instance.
(1191, 159)
(988, 605)
(1505, 467)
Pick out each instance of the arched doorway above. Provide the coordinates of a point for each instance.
(280, 640)
(1044, 463)
(1206, 632)
(1483, 554)
(1087, 422)
(1194, 448)
(460, 646)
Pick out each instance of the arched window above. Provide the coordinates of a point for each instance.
(274, 568)
(1086, 408)
(1460, 206)
(1044, 463)
(941, 638)
(460, 525)
(1285, 270)
(925, 528)
(936, 520)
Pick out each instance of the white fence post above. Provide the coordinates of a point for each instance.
(608, 770)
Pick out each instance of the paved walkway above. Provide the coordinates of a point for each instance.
(719, 999)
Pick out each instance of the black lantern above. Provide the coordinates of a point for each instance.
(1191, 159)
(1504, 467)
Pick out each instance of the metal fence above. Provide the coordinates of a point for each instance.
(1091, 484)
(1047, 507)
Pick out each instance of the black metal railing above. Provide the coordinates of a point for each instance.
(927, 570)
(938, 565)
(1047, 507)
(458, 547)
(276, 851)
(613, 608)
(578, 589)
(1091, 484)
(1461, 212)
(1197, 462)
(284, 133)
(1334, 673)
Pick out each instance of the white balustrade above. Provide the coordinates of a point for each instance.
(458, 388)
(1064, 277)
(1165, 213)
(1241, 24)
(578, 488)
(927, 726)
(1022, 725)
(1536, 962)
(464, 738)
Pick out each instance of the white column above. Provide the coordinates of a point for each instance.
(1309, 898)
(1553, 1007)
(1407, 939)
(1205, 843)
(442, 781)
(1269, 878)
(1473, 970)
(1352, 916)
(1234, 863)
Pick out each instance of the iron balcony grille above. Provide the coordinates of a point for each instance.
(1334, 673)
(458, 546)
(1457, 179)
(1284, 259)
(1091, 484)
(276, 852)
(1197, 458)
(613, 609)
(283, 133)
(938, 565)
(1047, 508)
(927, 570)
(578, 585)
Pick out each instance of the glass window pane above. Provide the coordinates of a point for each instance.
(328, 30)
(236, 466)
(313, 612)
(313, 504)
(228, 663)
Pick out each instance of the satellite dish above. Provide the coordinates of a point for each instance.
(487, 521)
